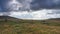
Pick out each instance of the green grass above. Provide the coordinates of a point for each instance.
(29, 27)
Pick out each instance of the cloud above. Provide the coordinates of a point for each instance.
(44, 8)
(32, 4)
(0, 9)
(21, 5)
(36, 15)
(45, 4)
(3, 4)
(21, 15)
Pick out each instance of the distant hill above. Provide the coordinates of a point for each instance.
(9, 18)
(3, 17)
(55, 19)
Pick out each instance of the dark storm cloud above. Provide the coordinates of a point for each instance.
(0, 7)
(3, 4)
(45, 4)
(35, 4)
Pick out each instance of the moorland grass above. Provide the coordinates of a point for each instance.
(29, 27)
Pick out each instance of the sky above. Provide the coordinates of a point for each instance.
(30, 9)
(37, 15)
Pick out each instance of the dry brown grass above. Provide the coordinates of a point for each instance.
(29, 27)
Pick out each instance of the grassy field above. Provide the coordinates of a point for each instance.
(30, 27)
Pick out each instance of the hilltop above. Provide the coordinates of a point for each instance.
(8, 17)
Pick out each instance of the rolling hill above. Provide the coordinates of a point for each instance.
(8, 17)
(19, 26)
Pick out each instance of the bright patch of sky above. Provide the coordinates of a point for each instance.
(36, 15)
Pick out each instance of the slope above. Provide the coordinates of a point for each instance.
(19, 26)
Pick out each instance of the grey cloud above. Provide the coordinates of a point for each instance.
(3, 4)
(45, 4)
(34, 4)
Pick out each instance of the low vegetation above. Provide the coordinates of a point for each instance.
(30, 27)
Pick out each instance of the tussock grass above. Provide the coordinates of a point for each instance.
(29, 27)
